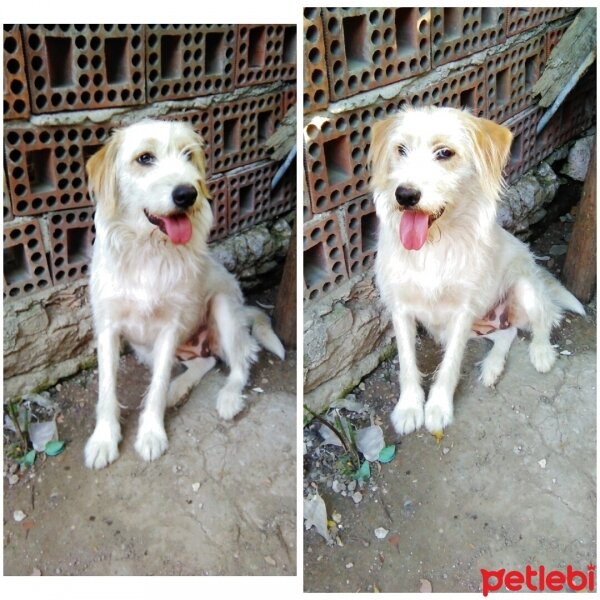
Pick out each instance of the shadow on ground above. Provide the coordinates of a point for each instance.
(221, 501)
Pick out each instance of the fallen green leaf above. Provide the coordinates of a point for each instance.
(364, 472)
(28, 459)
(387, 454)
(54, 447)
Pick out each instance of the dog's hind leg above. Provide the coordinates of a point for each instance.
(238, 348)
(181, 386)
(542, 314)
(493, 364)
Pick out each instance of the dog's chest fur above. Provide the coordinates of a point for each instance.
(143, 291)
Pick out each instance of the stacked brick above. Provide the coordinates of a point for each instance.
(243, 75)
(351, 53)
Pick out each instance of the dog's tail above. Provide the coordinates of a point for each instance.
(561, 297)
(263, 332)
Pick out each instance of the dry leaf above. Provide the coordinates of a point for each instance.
(439, 436)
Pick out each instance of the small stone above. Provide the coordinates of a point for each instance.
(565, 352)
(338, 487)
(352, 485)
(558, 249)
(445, 450)
(361, 386)
(270, 561)
(196, 486)
(12, 479)
(542, 463)
(36, 573)
(336, 517)
(357, 497)
(349, 565)
(381, 533)
(19, 515)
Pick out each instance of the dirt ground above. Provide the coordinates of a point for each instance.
(221, 501)
(512, 482)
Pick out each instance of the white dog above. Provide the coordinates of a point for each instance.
(154, 282)
(444, 261)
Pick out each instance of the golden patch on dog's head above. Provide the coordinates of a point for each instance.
(120, 156)
(150, 173)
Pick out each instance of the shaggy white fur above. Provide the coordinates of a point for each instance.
(154, 282)
(442, 258)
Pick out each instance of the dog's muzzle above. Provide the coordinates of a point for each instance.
(407, 197)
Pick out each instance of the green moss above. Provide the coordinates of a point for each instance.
(88, 363)
(388, 352)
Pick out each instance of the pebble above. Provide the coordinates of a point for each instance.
(352, 485)
(542, 463)
(19, 515)
(445, 450)
(381, 533)
(361, 386)
(349, 565)
(36, 573)
(196, 486)
(336, 517)
(338, 487)
(270, 561)
(357, 497)
(558, 249)
(12, 479)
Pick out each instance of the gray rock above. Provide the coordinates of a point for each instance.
(579, 158)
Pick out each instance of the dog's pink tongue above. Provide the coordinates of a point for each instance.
(413, 229)
(179, 228)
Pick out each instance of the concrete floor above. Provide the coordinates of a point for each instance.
(221, 501)
(513, 482)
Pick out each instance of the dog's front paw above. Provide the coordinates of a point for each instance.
(151, 441)
(542, 356)
(229, 404)
(438, 411)
(103, 446)
(407, 415)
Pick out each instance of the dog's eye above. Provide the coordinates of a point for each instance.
(444, 153)
(402, 151)
(146, 159)
(187, 155)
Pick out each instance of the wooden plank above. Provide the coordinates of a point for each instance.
(578, 41)
(579, 272)
(284, 315)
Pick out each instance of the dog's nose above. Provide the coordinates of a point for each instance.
(406, 196)
(184, 195)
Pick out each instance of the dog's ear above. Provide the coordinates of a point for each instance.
(379, 150)
(199, 160)
(492, 145)
(102, 176)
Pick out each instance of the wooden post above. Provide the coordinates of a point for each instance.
(284, 315)
(579, 272)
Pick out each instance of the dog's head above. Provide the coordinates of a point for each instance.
(436, 165)
(152, 177)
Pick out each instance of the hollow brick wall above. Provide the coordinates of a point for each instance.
(362, 64)
(67, 86)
